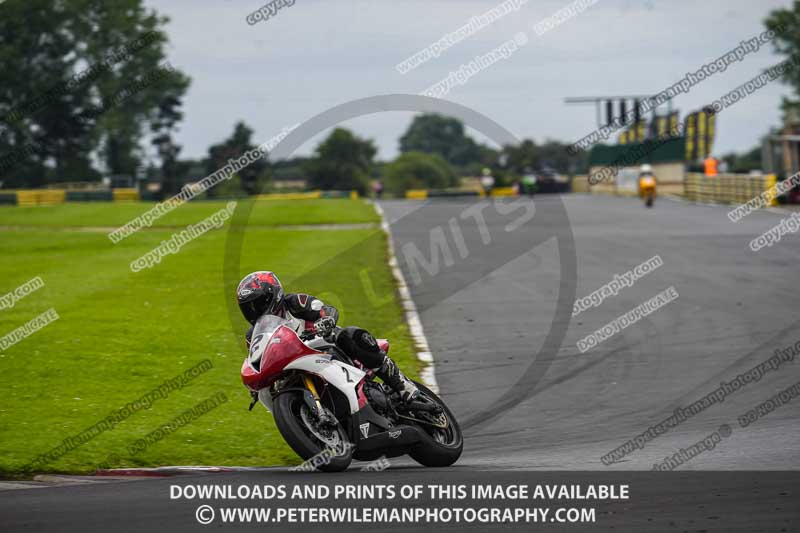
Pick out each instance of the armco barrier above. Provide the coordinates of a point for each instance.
(727, 188)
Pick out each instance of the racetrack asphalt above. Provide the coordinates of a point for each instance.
(487, 314)
(735, 308)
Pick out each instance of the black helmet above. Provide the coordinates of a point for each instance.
(258, 294)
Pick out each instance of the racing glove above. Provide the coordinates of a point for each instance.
(324, 325)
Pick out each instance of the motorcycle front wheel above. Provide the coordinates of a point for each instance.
(328, 449)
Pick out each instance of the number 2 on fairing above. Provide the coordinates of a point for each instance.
(346, 373)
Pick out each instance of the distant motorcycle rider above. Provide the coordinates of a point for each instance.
(261, 293)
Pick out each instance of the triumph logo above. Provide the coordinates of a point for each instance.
(364, 429)
(395, 434)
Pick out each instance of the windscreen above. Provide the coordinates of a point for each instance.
(263, 330)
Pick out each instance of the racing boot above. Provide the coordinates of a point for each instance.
(392, 376)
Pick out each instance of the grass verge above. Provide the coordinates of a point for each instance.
(122, 334)
(265, 213)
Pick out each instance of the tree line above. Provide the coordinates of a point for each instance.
(87, 90)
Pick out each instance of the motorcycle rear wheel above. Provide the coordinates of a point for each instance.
(438, 450)
(305, 440)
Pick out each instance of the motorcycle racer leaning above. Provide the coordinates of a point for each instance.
(261, 293)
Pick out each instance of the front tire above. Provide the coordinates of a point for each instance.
(436, 450)
(306, 440)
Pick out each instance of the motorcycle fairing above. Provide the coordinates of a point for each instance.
(343, 377)
(273, 346)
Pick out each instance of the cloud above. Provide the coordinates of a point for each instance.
(317, 54)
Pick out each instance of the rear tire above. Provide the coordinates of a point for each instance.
(430, 452)
(287, 411)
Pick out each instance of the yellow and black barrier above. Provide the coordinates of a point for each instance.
(727, 188)
(416, 194)
(308, 195)
(311, 195)
(125, 195)
(28, 198)
(36, 197)
(502, 191)
(423, 194)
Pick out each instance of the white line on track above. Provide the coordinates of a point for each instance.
(424, 354)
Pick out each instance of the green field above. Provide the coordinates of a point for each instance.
(121, 334)
(269, 213)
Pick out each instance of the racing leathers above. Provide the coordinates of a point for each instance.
(306, 312)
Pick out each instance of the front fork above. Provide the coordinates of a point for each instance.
(312, 399)
(313, 402)
(309, 383)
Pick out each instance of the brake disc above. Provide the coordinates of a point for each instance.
(329, 436)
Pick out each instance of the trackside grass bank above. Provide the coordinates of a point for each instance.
(126, 340)
(269, 213)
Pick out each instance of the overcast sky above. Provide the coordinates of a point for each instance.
(317, 54)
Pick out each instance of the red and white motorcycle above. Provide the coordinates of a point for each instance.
(324, 402)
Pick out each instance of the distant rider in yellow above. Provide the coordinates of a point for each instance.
(647, 185)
